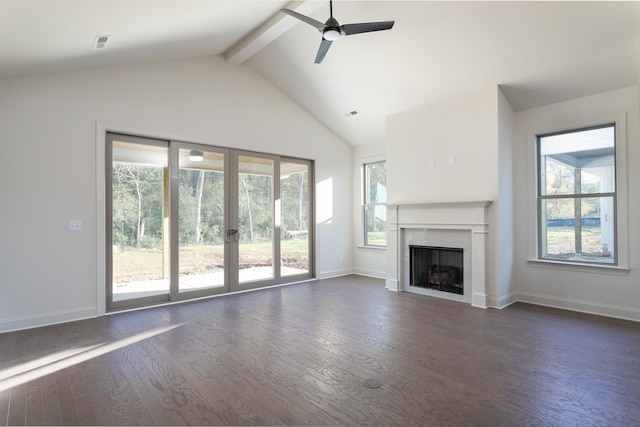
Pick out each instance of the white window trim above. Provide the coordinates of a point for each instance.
(622, 236)
(362, 234)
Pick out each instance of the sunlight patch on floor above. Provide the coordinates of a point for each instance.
(28, 371)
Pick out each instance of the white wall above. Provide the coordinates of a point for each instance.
(494, 161)
(501, 215)
(587, 290)
(466, 127)
(493, 150)
(475, 128)
(48, 167)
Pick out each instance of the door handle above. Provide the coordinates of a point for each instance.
(235, 234)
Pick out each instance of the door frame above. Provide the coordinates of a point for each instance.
(104, 247)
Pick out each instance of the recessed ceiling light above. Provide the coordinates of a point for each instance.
(100, 42)
(351, 113)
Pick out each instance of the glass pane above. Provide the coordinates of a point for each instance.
(596, 229)
(558, 177)
(376, 182)
(375, 217)
(578, 162)
(598, 179)
(201, 220)
(139, 221)
(255, 218)
(558, 230)
(294, 208)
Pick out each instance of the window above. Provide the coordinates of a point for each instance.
(577, 196)
(375, 208)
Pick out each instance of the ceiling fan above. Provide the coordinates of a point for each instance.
(331, 29)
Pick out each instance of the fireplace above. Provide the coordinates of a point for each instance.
(460, 228)
(437, 262)
(437, 268)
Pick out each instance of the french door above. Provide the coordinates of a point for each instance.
(186, 220)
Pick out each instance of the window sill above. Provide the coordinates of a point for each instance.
(375, 248)
(612, 270)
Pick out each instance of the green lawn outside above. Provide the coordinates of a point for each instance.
(377, 238)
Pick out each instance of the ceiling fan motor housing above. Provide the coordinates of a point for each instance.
(331, 29)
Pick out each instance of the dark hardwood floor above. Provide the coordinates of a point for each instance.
(299, 355)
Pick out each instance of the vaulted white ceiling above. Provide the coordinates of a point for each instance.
(539, 52)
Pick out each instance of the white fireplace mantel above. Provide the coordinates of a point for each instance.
(466, 215)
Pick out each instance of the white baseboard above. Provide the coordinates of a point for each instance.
(370, 273)
(619, 312)
(479, 300)
(45, 319)
(608, 310)
(503, 301)
(392, 285)
(334, 273)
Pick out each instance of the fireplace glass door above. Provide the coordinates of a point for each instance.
(437, 268)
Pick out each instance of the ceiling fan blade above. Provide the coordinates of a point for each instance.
(366, 27)
(322, 51)
(319, 25)
(331, 29)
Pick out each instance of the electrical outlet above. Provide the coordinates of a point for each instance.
(75, 225)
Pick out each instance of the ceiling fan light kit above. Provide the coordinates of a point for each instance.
(332, 30)
(331, 35)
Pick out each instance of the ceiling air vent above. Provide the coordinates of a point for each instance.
(351, 113)
(100, 42)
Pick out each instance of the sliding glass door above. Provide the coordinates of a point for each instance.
(272, 218)
(188, 220)
(255, 219)
(138, 256)
(295, 213)
(202, 220)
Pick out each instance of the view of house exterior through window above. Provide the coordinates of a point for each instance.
(577, 196)
(375, 208)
